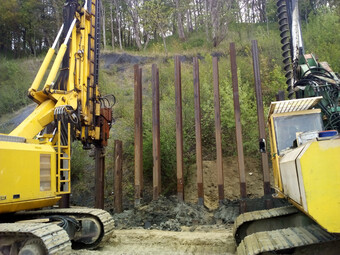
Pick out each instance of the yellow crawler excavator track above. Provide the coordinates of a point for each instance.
(96, 226)
(37, 238)
(102, 218)
(282, 230)
(288, 240)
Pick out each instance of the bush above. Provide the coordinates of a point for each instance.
(320, 37)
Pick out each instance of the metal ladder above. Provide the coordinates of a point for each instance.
(63, 153)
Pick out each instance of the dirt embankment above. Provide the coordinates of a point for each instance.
(231, 181)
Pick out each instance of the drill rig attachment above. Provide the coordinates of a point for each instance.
(291, 39)
(306, 77)
(35, 157)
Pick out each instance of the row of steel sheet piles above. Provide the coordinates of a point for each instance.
(179, 130)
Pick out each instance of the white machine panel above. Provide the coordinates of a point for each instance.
(289, 174)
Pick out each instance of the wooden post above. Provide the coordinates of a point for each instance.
(141, 134)
(219, 163)
(238, 127)
(118, 177)
(179, 130)
(261, 121)
(64, 202)
(199, 163)
(138, 135)
(99, 177)
(156, 145)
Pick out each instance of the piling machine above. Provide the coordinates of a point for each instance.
(35, 169)
(305, 149)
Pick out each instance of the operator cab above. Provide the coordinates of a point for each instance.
(295, 129)
(293, 123)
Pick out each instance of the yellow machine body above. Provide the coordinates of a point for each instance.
(307, 173)
(27, 176)
(34, 162)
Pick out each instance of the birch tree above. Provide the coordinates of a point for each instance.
(112, 25)
(133, 9)
(118, 21)
(180, 27)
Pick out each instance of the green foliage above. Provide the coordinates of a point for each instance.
(28, 26)
(15, 79)
(194, 41)
(321, 37)
(156, 15)
(80, 162)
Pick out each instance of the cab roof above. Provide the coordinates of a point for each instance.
(293, 105)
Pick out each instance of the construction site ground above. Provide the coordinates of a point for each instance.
(166, 226)
(214, 239)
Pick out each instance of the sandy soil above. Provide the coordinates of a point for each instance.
(231, 181)
(203, 240)
(196, 239)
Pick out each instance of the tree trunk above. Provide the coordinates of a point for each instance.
(164, 43)
(200, 12)
(155, 35)
(262, 10)
(57, 14)
(112, 30)
(214, 21)
(146, 43)
(34, 45)
(24, 40)
(129, 38)
(219, 29)
(181, 34)
(207, 12)
(104, 28)
(134, 15)
(174, 28)
(189, 21)
(253, 10)
(196, 12)
(118, 20)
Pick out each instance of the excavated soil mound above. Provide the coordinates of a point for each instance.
(169, 214)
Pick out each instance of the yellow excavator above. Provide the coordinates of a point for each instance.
(305, 149)
(35, 169)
